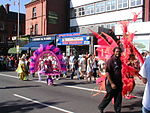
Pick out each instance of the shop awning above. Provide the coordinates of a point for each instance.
(35, 45)
(13, 50)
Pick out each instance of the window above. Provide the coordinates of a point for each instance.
(81, 11)
(31, 30)
(89, 9)
(122, 4)
(100, 7)
(72, 13)
(111, 5)
(14, 27)
(108, 26)
(3, 38)
(34, 12)
(74, 29)
(76, 12)
(102, 25)
(136, 3)
(82, 30)
(36, 29)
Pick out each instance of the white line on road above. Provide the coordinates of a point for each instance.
(53, 107)
(8, 75)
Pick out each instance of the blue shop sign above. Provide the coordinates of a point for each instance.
(80, 40)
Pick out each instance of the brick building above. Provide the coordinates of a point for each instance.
(8, 27)
(45, 17)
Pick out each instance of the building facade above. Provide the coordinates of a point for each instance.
(44, 17)
(105, 13)
(8, 27)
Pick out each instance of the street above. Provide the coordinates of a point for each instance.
(67, 96)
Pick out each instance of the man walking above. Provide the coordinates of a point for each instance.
(113, 82)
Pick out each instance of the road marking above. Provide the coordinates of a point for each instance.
(8, 75)
(69, 86)
(86, 89)
(76, 87)
(53, 107)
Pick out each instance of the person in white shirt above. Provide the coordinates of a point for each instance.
(89, 68)
(145, 73)
(82, 66)
(71, 65)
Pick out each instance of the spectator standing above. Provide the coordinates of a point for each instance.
(113, 82)
(95, 67)
(145, 73)
(82, 66)
(71, 65)
(89, 68)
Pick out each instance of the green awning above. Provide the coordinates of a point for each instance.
(13, 50)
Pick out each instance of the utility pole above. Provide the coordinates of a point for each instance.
(18, 31)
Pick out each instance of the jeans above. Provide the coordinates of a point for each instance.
(144, 110)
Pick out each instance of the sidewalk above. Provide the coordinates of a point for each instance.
(138, 81)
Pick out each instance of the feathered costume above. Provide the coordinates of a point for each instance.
(47, 54)
(108, 43)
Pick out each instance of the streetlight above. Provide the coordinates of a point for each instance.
(18, 34)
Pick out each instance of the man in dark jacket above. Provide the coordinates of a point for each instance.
(113, 82)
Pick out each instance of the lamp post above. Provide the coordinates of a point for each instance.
(18, 31)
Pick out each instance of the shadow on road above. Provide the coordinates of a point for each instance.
(11, 87)
(72, 83)
(20, 106)
(126, 112)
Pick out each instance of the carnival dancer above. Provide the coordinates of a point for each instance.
(129, 81)
(46, 53)
(102, 75)
(22, 69)
(101, 80)
(49, 80)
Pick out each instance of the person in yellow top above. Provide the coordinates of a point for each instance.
(22, 69)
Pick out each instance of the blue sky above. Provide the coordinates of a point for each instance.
(14, 4)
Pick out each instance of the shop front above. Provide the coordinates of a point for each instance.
(36, 41)
(75, 43)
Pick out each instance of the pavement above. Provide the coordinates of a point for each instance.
(138, 81)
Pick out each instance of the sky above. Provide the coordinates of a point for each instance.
(14, 5)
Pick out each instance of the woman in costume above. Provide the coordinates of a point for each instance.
(102, 75)
(22, 69)
(46, 53)
(100, 81)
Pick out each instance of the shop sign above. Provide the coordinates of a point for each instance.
(42, 38)
(52, 17)
(64, 35)
(74, 41)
